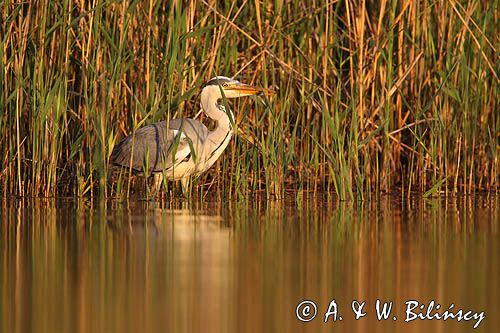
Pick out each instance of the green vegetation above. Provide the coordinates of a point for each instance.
(373, 95)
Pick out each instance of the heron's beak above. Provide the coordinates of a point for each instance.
(245, 89)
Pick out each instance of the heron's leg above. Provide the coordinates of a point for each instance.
(185, 186)
(157, 180)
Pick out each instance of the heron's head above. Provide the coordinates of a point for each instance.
(230, 87)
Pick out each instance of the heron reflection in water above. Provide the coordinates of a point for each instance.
(182, 148)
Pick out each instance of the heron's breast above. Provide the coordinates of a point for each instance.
(212, 156)
(181, 170)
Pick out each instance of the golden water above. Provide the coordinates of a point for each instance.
(74, 266)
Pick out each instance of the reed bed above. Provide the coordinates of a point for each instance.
(372, 96)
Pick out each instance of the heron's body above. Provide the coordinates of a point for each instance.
(196, 148)
(181, 148)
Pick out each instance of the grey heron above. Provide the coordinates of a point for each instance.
(181, 148)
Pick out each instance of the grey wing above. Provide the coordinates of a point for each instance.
(152, 146)
(195, 132)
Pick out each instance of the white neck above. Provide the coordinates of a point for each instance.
(220, 136)
(210, 97)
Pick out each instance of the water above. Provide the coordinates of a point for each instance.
(71, 266)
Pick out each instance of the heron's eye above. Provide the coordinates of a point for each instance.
(225, 85)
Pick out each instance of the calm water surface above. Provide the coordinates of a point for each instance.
(74, 266)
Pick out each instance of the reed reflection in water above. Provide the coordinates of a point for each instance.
(70, 266)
